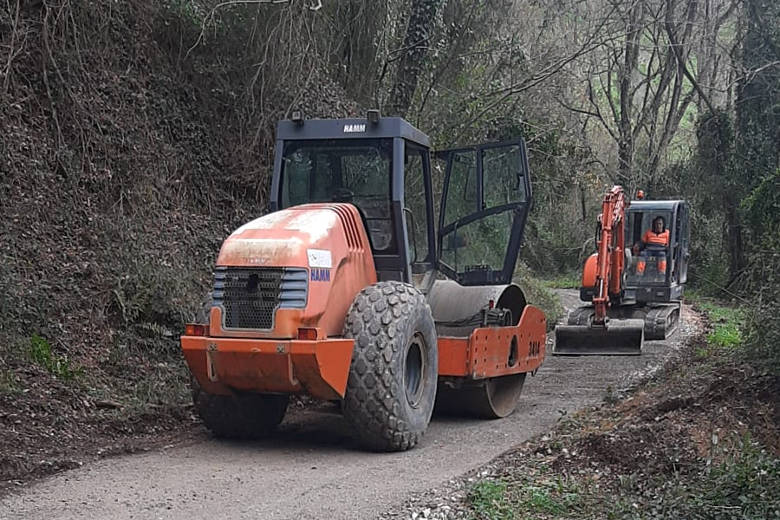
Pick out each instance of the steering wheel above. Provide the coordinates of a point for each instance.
(343, 195)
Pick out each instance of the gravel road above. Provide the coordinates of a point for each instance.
(312, 469)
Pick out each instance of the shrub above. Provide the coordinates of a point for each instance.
(539, 295)
(41, 354)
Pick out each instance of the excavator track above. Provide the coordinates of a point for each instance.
(661, 320)
(581, 315)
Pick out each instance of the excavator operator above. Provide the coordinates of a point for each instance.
(654, 243)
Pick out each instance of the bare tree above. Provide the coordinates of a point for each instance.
(639, 85)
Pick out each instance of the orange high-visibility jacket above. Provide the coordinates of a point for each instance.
(658, 239)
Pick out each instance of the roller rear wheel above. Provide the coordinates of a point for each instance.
(493, 398)
(239, 416)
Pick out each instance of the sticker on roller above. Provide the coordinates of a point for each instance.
(320, 258)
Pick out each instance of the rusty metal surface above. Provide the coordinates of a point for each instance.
(326, 240)
(451, 302)
(496, 351)
(223, 365)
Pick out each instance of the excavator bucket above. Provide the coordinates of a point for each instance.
(617, 338)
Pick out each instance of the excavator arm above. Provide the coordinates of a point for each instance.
(602, 336)
(610, 259)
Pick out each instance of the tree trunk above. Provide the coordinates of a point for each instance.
(625, 84)
(626, 160)
(757, 139)
(414, 50)
(734, 237)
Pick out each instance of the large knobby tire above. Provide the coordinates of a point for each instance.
(392, 378)
(239, 416)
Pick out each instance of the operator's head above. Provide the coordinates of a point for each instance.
(658, 224)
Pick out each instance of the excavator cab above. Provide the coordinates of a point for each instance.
(665, 272)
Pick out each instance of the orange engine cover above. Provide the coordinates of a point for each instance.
(329, 241)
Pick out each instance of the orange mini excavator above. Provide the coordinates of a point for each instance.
(348, 290)
(630, 298)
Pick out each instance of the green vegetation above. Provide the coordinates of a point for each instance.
(743, 486)
(9, 383)
(164, 385)
(539, 495)
(536, 293)
(554, 499)
(728, 324)
(159, 142)
(488, 498)
(40, 353)
(563, 281)
(750, 330)
(733, 474)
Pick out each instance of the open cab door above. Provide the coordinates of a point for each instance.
(483, 358)
(486, 197)
(683, 237)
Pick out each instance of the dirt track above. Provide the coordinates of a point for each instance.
(312, 469)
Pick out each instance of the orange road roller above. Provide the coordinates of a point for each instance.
(355, 288)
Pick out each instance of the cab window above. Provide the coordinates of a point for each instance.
(357, 171)
(414, 201)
